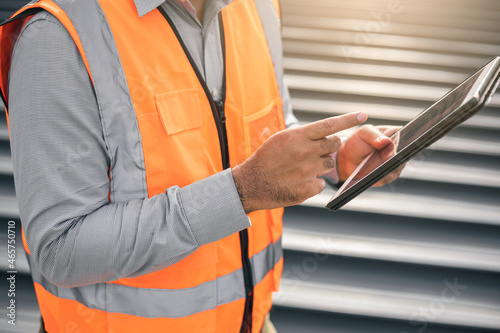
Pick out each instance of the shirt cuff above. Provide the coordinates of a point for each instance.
(213, 208)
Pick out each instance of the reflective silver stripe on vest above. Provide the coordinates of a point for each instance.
(119, 122)
(166, 303)
(270, 22)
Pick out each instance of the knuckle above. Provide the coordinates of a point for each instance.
(336, 142)
(329, 163)
(329, 124)
(284, 140)
(281, 137)
(326, 144)
(330, 144)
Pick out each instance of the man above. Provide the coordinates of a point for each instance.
(152, 162)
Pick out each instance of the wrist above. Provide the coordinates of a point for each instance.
(244, 185)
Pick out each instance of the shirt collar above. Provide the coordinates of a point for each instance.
(145, 6)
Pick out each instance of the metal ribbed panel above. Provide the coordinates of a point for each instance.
(384, 262)
(388, 261)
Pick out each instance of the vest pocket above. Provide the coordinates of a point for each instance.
(172, 141)
(179, 110)
(259, 126)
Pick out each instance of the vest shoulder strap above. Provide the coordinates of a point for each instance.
(9, 29)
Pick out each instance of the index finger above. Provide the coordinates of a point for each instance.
(329, 126)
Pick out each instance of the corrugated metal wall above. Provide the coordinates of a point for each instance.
(420, 255)
(388, 261)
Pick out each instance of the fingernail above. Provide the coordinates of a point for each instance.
(362, 117)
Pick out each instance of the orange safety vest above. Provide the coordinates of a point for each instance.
(223, 282)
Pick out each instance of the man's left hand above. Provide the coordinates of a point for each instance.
(364, 141)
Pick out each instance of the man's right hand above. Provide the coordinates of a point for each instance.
(285, 170)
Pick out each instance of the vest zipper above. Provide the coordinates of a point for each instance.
(221, 128)
(222, 114)
(218, 111)
(246, 324)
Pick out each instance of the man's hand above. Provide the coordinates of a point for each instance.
(285, 170)
(364, 141)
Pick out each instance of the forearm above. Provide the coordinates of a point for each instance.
(135, 238)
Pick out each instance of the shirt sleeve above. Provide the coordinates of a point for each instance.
(75, 236)
(290, 120)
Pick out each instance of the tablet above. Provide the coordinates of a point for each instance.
(429, 126)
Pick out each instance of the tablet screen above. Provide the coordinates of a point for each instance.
(426, 128)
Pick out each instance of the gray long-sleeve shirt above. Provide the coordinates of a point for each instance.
(75, 235)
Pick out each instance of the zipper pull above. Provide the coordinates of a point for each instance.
(220, 108)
